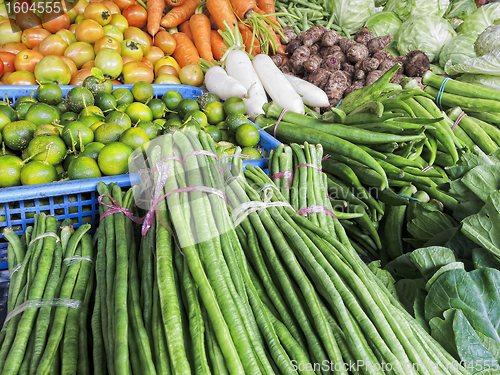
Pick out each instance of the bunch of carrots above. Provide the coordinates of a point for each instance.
(194, 25)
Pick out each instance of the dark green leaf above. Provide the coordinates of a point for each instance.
(483, 180)
(407, 290)
(461, 245)
(419, 309)
(402, 267)
(482, 258)
(442, 331)
(465, 209)
(429, 259)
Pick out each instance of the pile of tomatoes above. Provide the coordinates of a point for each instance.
(61, 41)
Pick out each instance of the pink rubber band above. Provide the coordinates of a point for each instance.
(279, 120)
(327, 156)
(428, 168)
(201, 152)
(457, 121)
(309, 165)
(114, 208)
(316, 210)
(284, 174)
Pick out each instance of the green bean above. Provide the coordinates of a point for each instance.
(83, 366)
(98, 349)
(214, 351)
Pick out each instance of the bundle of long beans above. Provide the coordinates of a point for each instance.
(51, 284)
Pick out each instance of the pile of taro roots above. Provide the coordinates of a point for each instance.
(340, 65)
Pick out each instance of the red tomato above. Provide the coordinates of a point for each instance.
(80, 53)
(126, 59)
(52, 45)
(89, 31)
(107, 42)
(72, 28)
(154, 54)
(122, 4)
(5, 77)
(136, 15)
(1, 68)
(113, 8)
(32, 37)
(13, 47)
(140, 36)
(8, 61)
(89, 64)
(167, 69)
(77, 79)
(98, 12)
(147, 62)
(137, 71)
(28, 19)
(80, 6)
(27, 60)
(115, 82)
(21, 78)
(166, 42)
(55, 21)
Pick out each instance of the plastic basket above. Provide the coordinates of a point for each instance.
(77, 200)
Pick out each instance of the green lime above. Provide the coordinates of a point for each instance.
(214, 132)
(192, 126)
(69, 116)
(62, 107)
(90, 120)
(247, 135)
(93, 127)
(151, 129)
(234, 121)
(221, 125)
(78, 98)
(77, 134)
(251, 152)
(197, 116)
(92, 150)
(172, 125)
(187, 105)
(22, 110)
(234, 105)
(158, 108)
(173, 116)
(215, 112)
(50, 149)
(206, 98)
(96, 85)
(123, 96)
(134, 137)
(49, 93)
(46, 129)
(120, 118)
(9, 112)
(18, 134)
(139, 112)
(83, 167)
(113, 159)
(4, 120)
(224, 134)
(106, 102)
(24, 99)
(10, 170)
(142, 91)
(40, 113)
(69, 159)
(122, 107)
(59, 169)
(172, 99)
(109, 132)
(37, 172)
(91, 110)
(231, 139)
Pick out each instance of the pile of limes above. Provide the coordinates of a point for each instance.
(94, 130)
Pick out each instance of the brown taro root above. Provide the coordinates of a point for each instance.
(363, 36)
(373, 76)
(357, 52)
(383, 55)
(348, 69)
(289, 34)
(319, 77)
(313, 63)
(315, 49)
(330, 38)
(338, 82)
(356, 85)
(386, 65)
(287, 68)
(359, 75)
(298, 59)
(416, 64)
(313, 35)
(325, 51)
(345, 44)
(293, 45)
(301, 35)
(401, 60)
(397, 78)
(379, 43)
(370, 64)
(330, 63)
(278, 59)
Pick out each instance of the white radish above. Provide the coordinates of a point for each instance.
(277, 85)
(311, 95)
(239, 66)
(222, 85)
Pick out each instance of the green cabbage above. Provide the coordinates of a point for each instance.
(427, 33)
(390, 6)
(460, 9)
(407, 8)
(351, 15)
(384, 23)
(488, 64)
(480, 19)
(488, 40)
(483, 79)
(458, 49)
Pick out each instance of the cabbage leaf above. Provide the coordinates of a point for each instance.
(480, 19)
(460, 9)
(488, 40)
(458, 49)
(487, 64)
(407, 8)
(481, 79)
(351, 15)
(384, 23)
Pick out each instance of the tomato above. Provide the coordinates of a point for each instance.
(139, 36)
(120, 22)
(167, 69)
(154, 54)
(33, 36)
(70, 10)
(113, 8)
(28, 19)
(89, 64)
(136, 15)
(52, 69)
(8, 61)
(166, 42)
(99, 13)
(67, 35)
(21, 78)
(89, 31)
(27, 60)
(53, 45)
(167, 60)
(191, 75)
(80, 53)
(137, 71)
(80, 6)
(10, 32)
(71, 65)
(1, 68)
(113, 32)
(5, 77)
(115, 82)
(147, 62)
(126, 59)
(77, 79)
(166, 79)
(72, 28)
(107, 42)
(55, 20)
(131, 48)
(13, 47)
(122, 4)
(110, 62)
(79, 19)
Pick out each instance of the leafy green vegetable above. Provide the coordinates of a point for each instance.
(384, 23)
(407, 290)
(383, 275)
(481, 79)
(488, 40)
(407, 8)
(488, 64)
(429, 259)
(458, 49)
(460, 9)
(483, 180)
(442, 331)
(482, 258)
(480, 19)
(351, 15)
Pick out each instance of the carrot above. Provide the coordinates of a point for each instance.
(185, 28)
(221, 11)
(213, 24)
(247, 35)
(217, 44)
(180, 14)
(185, 53)
(175, 3)
(155, 10)
(200, 26)
(267, 7)
(243, 8)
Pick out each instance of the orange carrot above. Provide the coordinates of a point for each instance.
(200, 26)
(213, 25)
(243, 8)
(185, 53)
(155, 9)
(217, 44)
(175, 3)
(221, 11)
(180, 14)
(246, 34)
(185, 28)
(267, 7)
